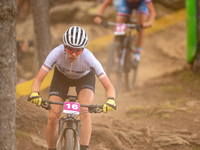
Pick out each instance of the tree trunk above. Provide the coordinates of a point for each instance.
(40, 11)
(8, 75)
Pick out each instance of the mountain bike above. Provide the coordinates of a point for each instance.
(69, 124)
(120, 57)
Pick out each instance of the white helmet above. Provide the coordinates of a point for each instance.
(75, 37)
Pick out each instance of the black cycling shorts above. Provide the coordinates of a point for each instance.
(60, 84)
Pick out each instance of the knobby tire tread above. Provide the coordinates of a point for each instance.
(69, 139)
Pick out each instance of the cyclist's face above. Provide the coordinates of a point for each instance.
(73, 53)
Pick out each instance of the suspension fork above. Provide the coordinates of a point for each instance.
(122, 60)
(69, 123)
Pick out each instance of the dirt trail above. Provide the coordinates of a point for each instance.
(164, 52)
(156, 115)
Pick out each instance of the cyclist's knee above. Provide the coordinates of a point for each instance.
(53, 118)
(85, 116)
(121, 19)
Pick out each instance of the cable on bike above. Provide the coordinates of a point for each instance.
(55, 112)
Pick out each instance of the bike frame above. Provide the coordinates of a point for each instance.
(119, 58)
(127, 36)
(69, 122)
(125, 48)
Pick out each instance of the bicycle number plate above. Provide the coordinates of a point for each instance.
(120, 29)
(71, 108)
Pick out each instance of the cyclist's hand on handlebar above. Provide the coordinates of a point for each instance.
(35, 98)
(109, 105)
(98, 19)
(147, 24)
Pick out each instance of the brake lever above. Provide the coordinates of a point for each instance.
(46, 105)
(97, 110)
(94, 110)
(91, 110)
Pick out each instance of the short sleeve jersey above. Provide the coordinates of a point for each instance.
(134, 4)
(85, 63)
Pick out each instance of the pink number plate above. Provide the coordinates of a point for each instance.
(120, 29)
(71, 108)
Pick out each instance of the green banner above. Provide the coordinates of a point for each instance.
(192, 42)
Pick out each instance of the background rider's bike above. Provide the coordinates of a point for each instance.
(69, 124)
(120, 57)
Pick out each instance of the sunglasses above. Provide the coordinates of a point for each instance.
(71, 50)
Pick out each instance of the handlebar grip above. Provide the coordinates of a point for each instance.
(105, 24)
(29, 99)
(139, 27)
(115, 107)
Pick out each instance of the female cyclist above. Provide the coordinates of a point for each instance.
(74, 66)
(144, 9)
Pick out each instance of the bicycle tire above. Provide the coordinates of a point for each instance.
(130, 71)
(111, 61)
(130, 78)
(119, 80)
(69, 139)
(113, 70)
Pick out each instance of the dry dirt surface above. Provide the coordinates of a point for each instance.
(161, 113)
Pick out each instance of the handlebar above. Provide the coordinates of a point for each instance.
(82, 105)
(130, 25)
(91, 108)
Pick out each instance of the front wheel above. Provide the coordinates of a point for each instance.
(69, 139)
(130, 78)
(130, 70)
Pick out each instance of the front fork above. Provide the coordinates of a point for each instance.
(70, 123)
(121, 51)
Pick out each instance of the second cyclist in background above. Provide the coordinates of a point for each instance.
(145, 15)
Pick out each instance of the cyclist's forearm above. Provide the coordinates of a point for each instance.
(36, 85)
(110, 90)
(152, 13)
(152, 17)
(38, 80)
(103, 7)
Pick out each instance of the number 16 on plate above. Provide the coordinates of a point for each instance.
(71, 108)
